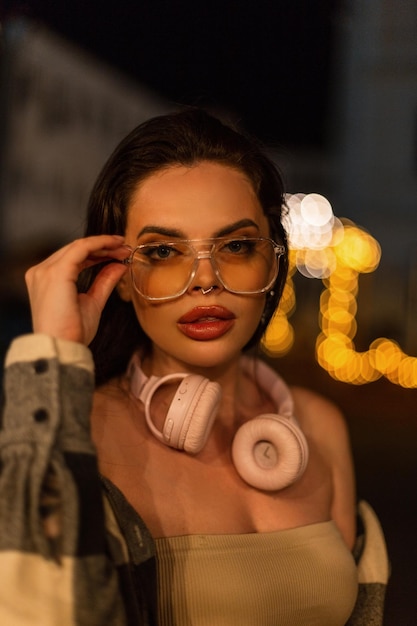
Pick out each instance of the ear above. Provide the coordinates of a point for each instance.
(124, 288)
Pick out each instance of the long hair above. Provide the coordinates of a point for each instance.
(182, 138)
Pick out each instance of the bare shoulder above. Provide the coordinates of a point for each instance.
(325, 427)
(318, 416)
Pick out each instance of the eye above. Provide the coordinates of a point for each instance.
(159, 252)
(239, 246)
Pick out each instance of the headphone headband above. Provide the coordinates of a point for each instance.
(271, 383)
(143, 387)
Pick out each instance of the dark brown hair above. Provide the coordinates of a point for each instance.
(183, 138)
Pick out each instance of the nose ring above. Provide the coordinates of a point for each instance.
(206, 291)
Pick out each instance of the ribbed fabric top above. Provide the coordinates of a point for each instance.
(298, 577)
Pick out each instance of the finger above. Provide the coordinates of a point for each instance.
(80, 249)
(101, 255)
(69, 261)
(117, 254)
(105, 282)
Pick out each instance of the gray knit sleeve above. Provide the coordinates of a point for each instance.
(54, 567)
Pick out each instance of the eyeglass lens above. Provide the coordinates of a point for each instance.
(166, 269)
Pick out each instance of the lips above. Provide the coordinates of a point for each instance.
(204, 323)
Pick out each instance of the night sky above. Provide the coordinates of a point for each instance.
(269, 63)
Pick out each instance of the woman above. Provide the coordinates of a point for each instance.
(184, 261)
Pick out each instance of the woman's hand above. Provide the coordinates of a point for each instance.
(57, 307)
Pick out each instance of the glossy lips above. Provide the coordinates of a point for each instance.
(204, 323)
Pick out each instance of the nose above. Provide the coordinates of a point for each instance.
(205, 277)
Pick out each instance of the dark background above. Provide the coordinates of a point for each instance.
(274, 67)
(262, 60)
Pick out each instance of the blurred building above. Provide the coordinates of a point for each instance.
(377, 127)
(62, 114)
(369, 167)
(377, 142)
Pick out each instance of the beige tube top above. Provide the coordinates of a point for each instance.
(299, 577)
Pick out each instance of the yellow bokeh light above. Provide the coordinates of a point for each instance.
(337, 260)
(279, 336)
(358, 250)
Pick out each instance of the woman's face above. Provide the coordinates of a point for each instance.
(195, 331)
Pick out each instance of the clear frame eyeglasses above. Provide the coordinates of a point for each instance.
(164, 270)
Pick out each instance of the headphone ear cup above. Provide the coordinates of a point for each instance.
(191, 415)
(270, 452)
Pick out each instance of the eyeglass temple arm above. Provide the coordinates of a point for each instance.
(279, 249)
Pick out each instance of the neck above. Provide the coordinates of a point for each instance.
(228, 374)
(158, 363)
(241, 396)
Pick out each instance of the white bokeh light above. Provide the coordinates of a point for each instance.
(316, 210)
(312, 230)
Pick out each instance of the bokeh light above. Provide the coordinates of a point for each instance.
(336, 251)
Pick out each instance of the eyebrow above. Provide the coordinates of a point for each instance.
(160, 230)
(176, 233)
(227, 230)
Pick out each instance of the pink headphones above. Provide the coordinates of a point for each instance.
(270, 452)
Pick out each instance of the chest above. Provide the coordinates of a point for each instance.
(176, 493)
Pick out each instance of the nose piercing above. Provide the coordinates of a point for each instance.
(206, 291)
